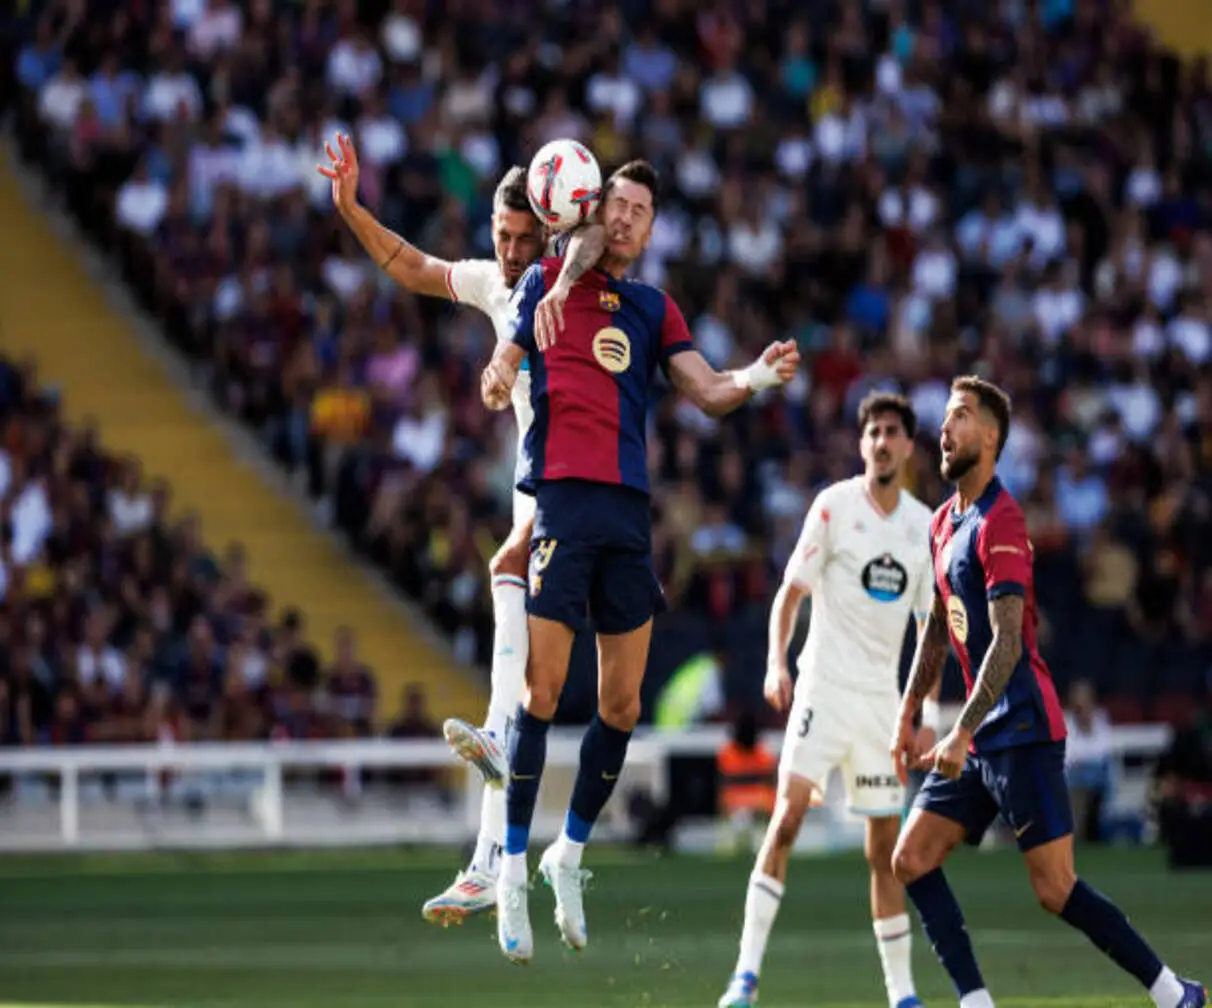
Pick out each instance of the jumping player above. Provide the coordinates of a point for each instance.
(864, 556)
(518, 240)
(1006, 753)
(587, 465)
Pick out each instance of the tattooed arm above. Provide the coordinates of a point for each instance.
(1006, 619)
(585, 248)
(926, 674)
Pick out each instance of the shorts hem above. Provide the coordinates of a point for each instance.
(888, 813)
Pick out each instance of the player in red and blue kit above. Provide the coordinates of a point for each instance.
(586, 462)
(1006, 753)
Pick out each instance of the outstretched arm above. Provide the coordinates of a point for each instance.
(718, 393)
(1006, 619)
(406, 264)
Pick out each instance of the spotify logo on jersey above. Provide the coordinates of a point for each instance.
(884, 579)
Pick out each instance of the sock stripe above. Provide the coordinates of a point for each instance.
(894, 937)
(512, 580)
(773, 893)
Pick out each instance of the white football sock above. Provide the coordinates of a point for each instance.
(491, 840)
(568, 851)
(513, 870)
(977, 999)
(894, 939)
(510, 646)
(761, 907)
(1167, 990)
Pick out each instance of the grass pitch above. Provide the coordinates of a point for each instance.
(339, 930)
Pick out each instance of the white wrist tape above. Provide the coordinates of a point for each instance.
(759, 375)
(931, 714)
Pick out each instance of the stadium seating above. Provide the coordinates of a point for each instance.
(976, 189)
(118, 624)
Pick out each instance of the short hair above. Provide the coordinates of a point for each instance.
(990, 398)
(511, 192)
(875, 403)
(641, 173)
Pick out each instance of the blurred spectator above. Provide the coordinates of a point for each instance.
(1087, 760)
(117, 625)
(908, 191)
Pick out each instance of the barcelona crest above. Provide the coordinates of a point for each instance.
(608, 301)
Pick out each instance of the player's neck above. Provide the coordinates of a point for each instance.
(613, 265)
(885, 495)
(970, 486)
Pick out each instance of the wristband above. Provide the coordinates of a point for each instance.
(931, 714)
(759, 375)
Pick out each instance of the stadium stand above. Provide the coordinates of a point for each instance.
(118, 624)
(910, 190)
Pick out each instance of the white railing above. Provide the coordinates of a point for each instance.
(266, 794)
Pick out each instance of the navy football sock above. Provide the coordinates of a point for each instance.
(603, 752)
(527, 754)
(943, 922)
(1107, 927)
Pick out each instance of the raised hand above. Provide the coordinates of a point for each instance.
(342, 169)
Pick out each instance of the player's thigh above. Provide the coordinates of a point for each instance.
(817, 736)
(947, 811)
(626, 592)
(1032, 793)
(622, 660)
(561, 558)
(872, 786)
(513, 557)
(547, 658)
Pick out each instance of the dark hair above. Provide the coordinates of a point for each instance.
(641, 173)
(875, 403)
(511, 191)
(991, 398)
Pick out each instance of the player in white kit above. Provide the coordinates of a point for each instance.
(864, 556)
(518, 240)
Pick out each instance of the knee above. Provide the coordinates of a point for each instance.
(787, 822)
(543, 688)
(910, 862)
(619, 711)
(513, 556)
(1052, 889)
(879, 850)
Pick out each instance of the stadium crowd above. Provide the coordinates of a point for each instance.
(116, 623)
(912, 190)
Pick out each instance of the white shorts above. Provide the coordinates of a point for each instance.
(523, 504)
(832, 726)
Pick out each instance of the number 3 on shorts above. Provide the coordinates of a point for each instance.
(805, 724)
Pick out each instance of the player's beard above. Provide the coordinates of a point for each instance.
(959, 466)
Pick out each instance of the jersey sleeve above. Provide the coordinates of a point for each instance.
(675, 334)
(468, 281)
(522, 303)
(1004, 552)
(805, 565)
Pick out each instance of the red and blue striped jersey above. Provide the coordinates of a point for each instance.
(590, 392)
(982, 554)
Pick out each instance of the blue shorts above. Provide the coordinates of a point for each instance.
(591, 557)
(1025, 784)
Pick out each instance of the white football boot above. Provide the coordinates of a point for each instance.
(472, 892)
(482, 749)
(513, 922)
(568, 884)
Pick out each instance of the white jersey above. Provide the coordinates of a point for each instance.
(867, 572)
(478, 283)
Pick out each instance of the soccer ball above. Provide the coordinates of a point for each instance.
(564, 184)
